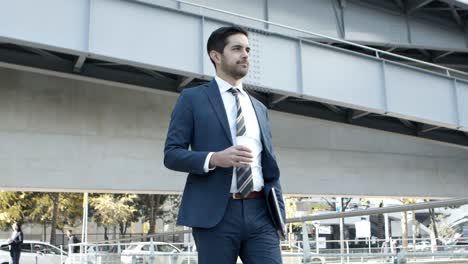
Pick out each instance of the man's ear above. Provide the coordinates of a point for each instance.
(215, 56)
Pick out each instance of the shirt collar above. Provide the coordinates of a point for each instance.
(225, 86)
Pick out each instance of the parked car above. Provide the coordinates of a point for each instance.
(164, 253)
(419, 246)
(34, 252)
(189, 255)
(422, 246)
(460, 245)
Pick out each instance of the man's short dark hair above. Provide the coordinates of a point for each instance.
(218, 39)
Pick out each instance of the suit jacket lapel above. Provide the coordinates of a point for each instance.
(260, 117)
(217, 102)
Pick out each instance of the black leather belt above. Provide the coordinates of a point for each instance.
(251, 195)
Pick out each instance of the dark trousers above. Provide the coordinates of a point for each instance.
(15, 256)
(246, 231)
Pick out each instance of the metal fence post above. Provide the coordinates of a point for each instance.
(61, 254)
(401, 257)
(189, 250)
(152, 249)
(341, 239)
(305, 242)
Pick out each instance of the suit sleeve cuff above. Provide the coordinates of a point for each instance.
(206, 167)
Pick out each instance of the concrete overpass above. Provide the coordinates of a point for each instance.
(85, 98)
(64, 134)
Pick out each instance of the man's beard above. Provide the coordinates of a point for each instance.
(235, 71)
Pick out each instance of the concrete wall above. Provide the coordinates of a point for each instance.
(69, 135)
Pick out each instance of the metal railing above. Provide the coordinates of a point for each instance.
(130, 253)
(382, 210)
(303, 251)
(153, 257)
(114, 252)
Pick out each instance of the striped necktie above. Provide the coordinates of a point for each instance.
(244, 175)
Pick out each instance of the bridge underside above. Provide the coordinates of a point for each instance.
(63, 133)
(161, 46)
(60, 64)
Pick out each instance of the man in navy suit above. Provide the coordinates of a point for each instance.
(225, 195)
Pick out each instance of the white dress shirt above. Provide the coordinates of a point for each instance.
(13, 235)
(251, 126)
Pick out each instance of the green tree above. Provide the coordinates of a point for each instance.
(151, 207)
(113, 210)
(70, 210)
(12, 208)
(55, 210)
(169, 215)
(344, 203)
(40, 211)
(290, 204)
(404, 221)
(445, 231)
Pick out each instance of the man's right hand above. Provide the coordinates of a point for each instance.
(235, 156)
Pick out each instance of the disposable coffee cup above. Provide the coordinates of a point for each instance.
(249, 143)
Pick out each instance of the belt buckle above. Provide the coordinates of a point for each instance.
(236, 197)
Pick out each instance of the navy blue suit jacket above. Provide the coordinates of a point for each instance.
(199, 125)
